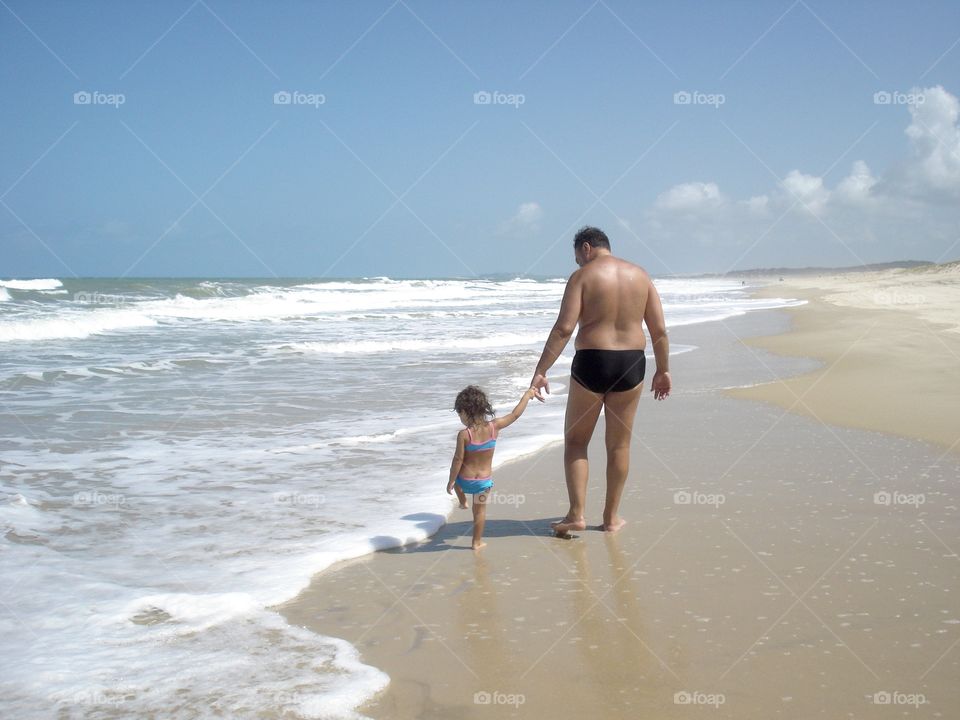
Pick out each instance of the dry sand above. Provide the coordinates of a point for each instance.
(891, 364)
(773, 566)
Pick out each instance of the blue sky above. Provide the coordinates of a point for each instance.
(784, 156)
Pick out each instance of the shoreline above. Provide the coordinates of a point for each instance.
(893, 369)
(692, 598)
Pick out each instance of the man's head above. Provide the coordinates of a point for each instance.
(587, 242)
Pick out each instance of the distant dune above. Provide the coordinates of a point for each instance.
(872, 267)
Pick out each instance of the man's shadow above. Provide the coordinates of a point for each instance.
(447, 537)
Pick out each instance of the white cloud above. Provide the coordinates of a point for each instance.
(756, 205)
(932, 169)
(525, 219)
(806, 190)
(857, 186)
(690, 196)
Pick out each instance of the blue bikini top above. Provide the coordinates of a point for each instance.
(488, 445)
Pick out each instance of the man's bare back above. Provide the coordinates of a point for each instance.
(614, 296)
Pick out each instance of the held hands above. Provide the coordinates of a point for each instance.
(539, 383)
(661, 385)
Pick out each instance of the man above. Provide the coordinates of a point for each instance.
(610, 298)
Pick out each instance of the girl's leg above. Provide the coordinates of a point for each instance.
(479, 518)
(461, 497)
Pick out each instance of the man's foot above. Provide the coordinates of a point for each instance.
(477, 546)
(464, 507)
(563, 527)
(614, 525)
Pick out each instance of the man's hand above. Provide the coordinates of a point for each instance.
(450, 488)
(661, 385)
(539, 383)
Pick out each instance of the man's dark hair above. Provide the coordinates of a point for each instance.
(594, 236)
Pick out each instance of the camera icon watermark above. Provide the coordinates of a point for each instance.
(885, 97)
(685, 497)
(887, 498)
(95, 498)
(299, 499)
(95, 97)
(686, 97)
(483, 97)
(895, 697)
(483, 697)
(99, 298)
(295, 97)
(695, 697)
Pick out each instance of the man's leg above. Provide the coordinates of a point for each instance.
(583, 409)
(620, 409)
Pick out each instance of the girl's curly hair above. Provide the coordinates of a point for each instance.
(472, 402)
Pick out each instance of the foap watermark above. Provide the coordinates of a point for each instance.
(888, 498)
(691, 298)
(484, 97)
(686, 97)
(498, 498)
(496, 697)
(893, 297)
(686, 497)
(99, 298)
(295, 97)
(885, 97)
(95, 97)
(94, 698)
(695, 697)
(298, 499)
(95, 498)
(895, 697)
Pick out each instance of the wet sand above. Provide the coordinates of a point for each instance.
(773, 566)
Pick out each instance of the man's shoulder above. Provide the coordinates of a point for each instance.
(632, 265)
(622, 266)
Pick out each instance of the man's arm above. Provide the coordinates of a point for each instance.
(657, 327)
(559, 336)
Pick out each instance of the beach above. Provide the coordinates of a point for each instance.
(782, 558)
(190, 453)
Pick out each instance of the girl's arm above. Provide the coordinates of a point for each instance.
(511, 417)
(457, 460)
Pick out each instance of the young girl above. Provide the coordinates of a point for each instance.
(473, 460)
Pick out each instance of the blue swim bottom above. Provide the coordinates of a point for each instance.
(473, 487)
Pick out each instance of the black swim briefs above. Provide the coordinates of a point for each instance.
(603, 371)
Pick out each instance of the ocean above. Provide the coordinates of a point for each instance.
(179, 456)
